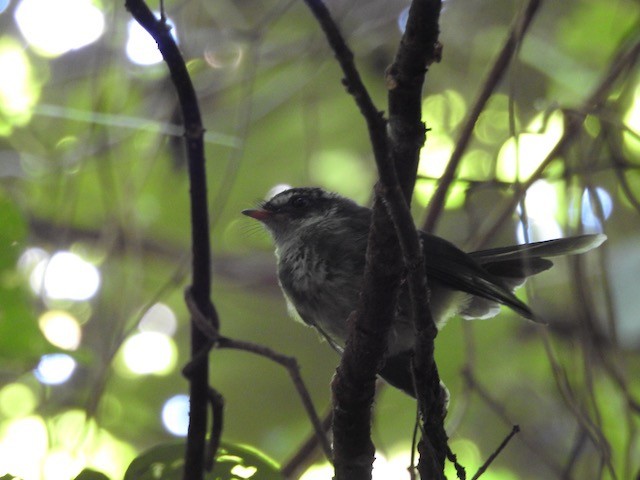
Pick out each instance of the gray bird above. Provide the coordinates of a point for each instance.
(320, 243)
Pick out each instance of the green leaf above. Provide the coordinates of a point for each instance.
(233, 462)
(88, 474)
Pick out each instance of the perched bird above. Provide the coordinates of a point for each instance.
(320, 243)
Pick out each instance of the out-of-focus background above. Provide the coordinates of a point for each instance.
(94, 230)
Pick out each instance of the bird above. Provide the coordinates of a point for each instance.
(320, 242)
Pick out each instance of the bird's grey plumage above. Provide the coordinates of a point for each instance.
(321, 240)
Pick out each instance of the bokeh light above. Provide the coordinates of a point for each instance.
(30, 258)
(149, 353)
(54, 28)
(23, 444)
(241, 471)
(65, 276)
(402, 19)
(17, 400)
(632, 117)
(342, 171)
(55, 368)
(435, 155)
(396, 467)
(61, 329)
(3, 5)
(19, 90)
(446, 111)
(141, 48)
(159, 318)
(541, 200)
(492, 127)
(541, 204)
(538, 230)
(318, 472)
(62, 464)
(519, 158)
(225, 55)
(591, 212)
(175, 415)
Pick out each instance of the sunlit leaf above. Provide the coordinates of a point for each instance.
(233, 462)
(89, 474)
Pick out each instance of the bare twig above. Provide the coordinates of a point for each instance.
(567, 393)
(622, 63)
(419, 49)
(397, 149)
(201, 260)
(215, 340)
(495, 454)
(494, 77)
(293, 368)
(354, 383)
(475, 386)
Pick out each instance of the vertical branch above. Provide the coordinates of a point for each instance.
(354, 383)
(396, 152)
(201, 261)
(419, 48)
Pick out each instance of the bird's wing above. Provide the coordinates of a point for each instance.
(455, 269)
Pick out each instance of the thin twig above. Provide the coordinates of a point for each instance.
(623, 62)
(291, 364)
(569, 396)
(494, 77)
(215, 340)
(494, 455)
(475, 386)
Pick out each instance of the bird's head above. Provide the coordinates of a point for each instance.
(293, 211)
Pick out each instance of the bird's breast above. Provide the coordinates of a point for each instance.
(321, 293)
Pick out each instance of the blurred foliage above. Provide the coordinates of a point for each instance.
(92, 163)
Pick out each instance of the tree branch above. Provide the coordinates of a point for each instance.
(418, 49)
(201, 260)
(394, 148)
(354, 383)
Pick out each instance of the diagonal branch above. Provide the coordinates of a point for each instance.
(624, 62)
(494, 77)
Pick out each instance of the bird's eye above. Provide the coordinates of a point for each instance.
(299, 202)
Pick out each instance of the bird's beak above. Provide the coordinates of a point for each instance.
(260, 215)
